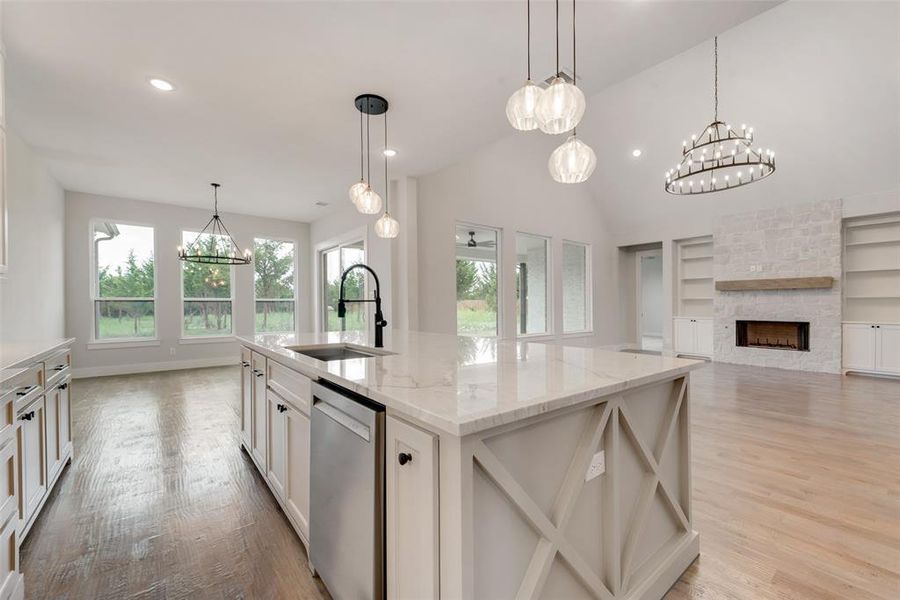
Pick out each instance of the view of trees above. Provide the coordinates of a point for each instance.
(126, 318)
(476, 296)
(207, 290)
(274, 264)
(335, 261)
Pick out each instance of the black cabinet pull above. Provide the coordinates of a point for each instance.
(258, 372)
(281, 408)
(27, 416)
(59, 367)
(404, 458)
(26, 391)
(63, 386)
(244, 363)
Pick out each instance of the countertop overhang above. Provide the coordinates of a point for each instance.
(461, 385)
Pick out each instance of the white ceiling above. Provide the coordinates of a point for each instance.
(264, 99)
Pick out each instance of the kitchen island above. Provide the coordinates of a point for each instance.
(512, 468)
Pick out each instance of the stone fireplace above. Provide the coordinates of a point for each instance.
(803, 240)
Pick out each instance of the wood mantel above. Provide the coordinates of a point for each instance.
(784, 283)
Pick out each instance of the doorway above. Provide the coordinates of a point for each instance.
(648, 264)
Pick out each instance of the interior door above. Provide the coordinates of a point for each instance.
(650, 298)
(297, 484)
(859, 346)
(887, 350)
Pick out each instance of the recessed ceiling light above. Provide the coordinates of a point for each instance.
(636, 152)
(162, 84)
(390, 152)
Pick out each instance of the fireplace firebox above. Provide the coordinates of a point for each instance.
(778, 335)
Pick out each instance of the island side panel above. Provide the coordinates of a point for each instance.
(519, 520)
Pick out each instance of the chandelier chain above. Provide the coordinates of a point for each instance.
(716, 78)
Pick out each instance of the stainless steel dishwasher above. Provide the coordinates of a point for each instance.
(346, 513)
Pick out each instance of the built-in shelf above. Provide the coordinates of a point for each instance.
(781, 283)
(871, 264)
(694, 265)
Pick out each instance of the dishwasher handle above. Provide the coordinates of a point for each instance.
(340, 417)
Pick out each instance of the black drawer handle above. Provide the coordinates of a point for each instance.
(59, 367)
(244, 363)
(404, 458)
(62, 386)
(258, 373)
(26, 391)
(281, 407)
(27, 416)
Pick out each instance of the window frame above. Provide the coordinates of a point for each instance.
(548, 285)
(588, 289)
(207, 337)
(498, 249)
(94, 288)
(353, 236)
(296, 283)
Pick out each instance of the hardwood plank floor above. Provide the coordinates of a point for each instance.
(796, 493)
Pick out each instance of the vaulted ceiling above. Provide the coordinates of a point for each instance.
(264, 98)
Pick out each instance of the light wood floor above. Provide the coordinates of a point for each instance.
(796, 493)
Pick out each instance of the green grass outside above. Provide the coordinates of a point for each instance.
(477, 322)
(112, 327)
(275, 321)
(353, 322)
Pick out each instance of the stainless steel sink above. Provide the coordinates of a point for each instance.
(329, 352)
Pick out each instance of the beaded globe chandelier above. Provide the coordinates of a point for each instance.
(720, 157)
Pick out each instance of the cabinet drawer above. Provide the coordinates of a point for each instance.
(28, 385)
(56, 367)
(290, 385)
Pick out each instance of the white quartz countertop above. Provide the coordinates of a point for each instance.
(461, 385)
(13, 354)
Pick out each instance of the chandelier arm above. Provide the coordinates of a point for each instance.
(231, 239)
(197, 239)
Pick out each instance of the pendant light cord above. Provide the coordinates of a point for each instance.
(528, 36)
(557, 38)
(368, 152)
(716, 80)
(216, 199)
(361, 167)
(386, 184)
(574, 54)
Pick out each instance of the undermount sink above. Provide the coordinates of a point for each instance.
(329, 352)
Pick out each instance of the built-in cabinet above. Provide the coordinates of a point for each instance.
(871, 294)
(35, 445)
(692, 325)
(871, 347)
(275, 431)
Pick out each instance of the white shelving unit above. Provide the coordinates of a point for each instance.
(692, 324)
(871, 288)
(694, 294)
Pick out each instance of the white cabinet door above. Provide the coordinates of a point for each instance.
(65, 418)
(9, 556)
(412, 511)
(887, 348)
(51, 433)
(277, 460)
(704, 336)
(858, 346)
(246, 398)
(685, 336)
(258, 370)
(32, 475)
(297, 485)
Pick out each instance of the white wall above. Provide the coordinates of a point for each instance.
(506, 185)
(31, 295)
(168, 221)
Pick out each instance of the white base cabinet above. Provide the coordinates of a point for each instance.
(871, 347)
(693, 336)
(411, 474)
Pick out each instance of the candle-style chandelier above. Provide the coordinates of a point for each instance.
(719, 158)
(214, 245)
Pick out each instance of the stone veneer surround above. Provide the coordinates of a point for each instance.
(797, 241)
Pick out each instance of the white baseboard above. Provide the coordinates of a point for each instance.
(173, 365)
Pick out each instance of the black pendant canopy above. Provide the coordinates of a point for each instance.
(371, 104)
(224, 251)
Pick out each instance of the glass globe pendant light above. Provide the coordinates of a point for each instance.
(522, 105)
(561, 105)
(357, 189)
(574, 161)
(368, 202)
(386, 226)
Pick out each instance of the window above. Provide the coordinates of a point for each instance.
(334, 261)
(206, 290)
(576, 287)
(476, 280)
(273, 262)
(124, 286)
(532, 283)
